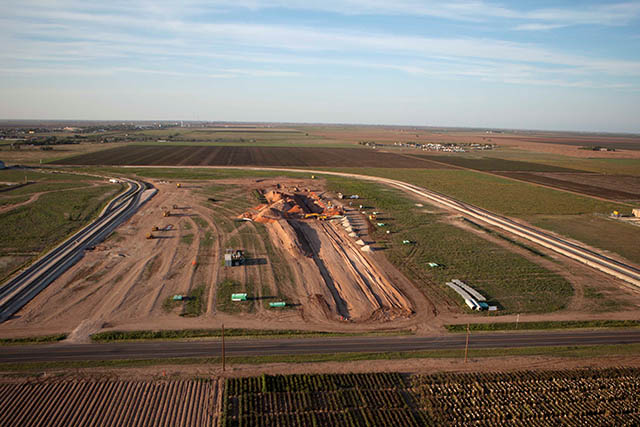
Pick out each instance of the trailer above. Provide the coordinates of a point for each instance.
(238, 297)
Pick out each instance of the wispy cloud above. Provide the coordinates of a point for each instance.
(77, 34)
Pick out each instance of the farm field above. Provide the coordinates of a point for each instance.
(81, 402)
(516, 398)
(39, 214)
(613, 187)
(186, 155)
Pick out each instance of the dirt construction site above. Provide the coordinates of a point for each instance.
(302, 259)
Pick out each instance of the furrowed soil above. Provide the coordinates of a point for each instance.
(245, 156)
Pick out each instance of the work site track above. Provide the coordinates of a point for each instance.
(623, 271)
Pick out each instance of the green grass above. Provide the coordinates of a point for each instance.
(30, 229)
(495, 193)
(194, 304)
(598, 231)
(223, 297)
(5, 201)
(567, 324)
(505, 278)
(111, 336)
(562, 352)
(33, 340)
(41, 187)
(187, 239)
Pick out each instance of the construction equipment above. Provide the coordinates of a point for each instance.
(615, 214)
(238, 297)
(175, 206)
(313, 177)
(155, 228)
(233, 258)
(372, 217)
(315, 215)
(166, 213)
(149, 236)
(178, 185)
(406, 242)
(178, 297)
(277, 304)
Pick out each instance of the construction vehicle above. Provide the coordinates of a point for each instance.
(178, 185)
(175, 206)
(615, 214)
(372, 217)
(155, 228)
(233, 258)
(313, 177)
(149, 236)
(166, 213)
(315, 215)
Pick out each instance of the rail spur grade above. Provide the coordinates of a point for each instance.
(186, 402)
(625, 272)
(18, 291)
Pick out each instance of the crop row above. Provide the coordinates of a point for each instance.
(319, 382)
(354, 417)
(566, 397)
(346, 399)
(109, 403)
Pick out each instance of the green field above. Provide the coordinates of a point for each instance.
(507, 279)
(499, 195)
(596, 230)
(30, 229)
(573, 397)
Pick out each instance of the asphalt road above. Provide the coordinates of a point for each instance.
(264, 347)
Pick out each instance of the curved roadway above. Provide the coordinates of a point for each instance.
(18, 291)
(628, 273)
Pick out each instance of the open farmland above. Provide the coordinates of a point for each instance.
(578, 397)
(617, 187)
(156, 155)
(80, 402)
(493, 164)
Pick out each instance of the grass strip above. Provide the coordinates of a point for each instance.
(566, 324)
(110, 336)
(566, 352)
(33, 340)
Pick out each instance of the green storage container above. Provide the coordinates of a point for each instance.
(277, 304)
(238, 297)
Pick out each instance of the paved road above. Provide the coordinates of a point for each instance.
(263, 347)
(23, 287)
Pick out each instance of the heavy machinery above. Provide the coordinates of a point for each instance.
(233, 258)
(149, 236)
(178, 185)
(315, 215)
(166, 213)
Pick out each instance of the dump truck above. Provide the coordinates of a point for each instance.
(178, 185)
(149, 236)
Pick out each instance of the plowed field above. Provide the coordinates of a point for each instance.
(246, 156)
(108, 403)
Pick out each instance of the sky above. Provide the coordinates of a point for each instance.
(556, 65)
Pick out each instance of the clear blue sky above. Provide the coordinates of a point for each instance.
(568, 65)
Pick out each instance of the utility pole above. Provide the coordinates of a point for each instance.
(223, 364)
(466, 346)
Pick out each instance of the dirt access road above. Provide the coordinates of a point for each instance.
(128, 281)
